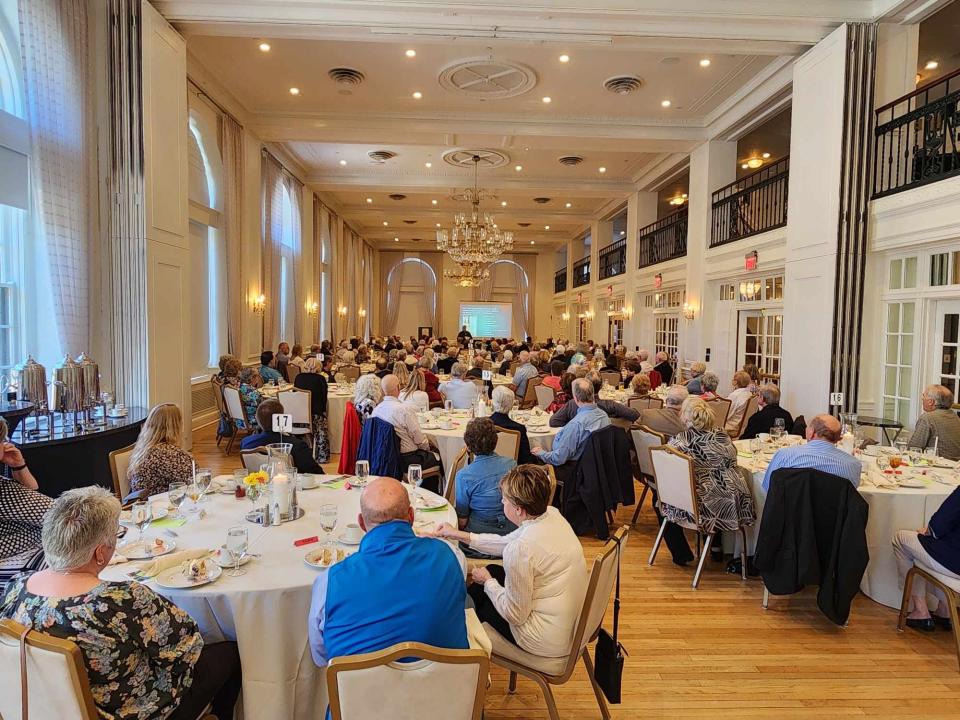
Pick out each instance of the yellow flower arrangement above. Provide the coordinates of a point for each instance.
(255, 478)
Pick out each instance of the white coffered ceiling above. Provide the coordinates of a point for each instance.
(632, 135)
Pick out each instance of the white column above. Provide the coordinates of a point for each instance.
(897, 49)
(571, 321)
(641, 211)
(601, 231)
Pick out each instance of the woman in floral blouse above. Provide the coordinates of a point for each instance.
(250, 396)
(157, 459)
(145, 657)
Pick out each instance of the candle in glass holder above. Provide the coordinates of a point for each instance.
(281, 492)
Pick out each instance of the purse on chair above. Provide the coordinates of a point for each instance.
(608, 656)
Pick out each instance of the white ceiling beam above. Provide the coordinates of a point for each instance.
(907, 12)
(549, 186)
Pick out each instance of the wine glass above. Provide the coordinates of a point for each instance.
(780, 426)
(448, 405)
(362, 471)
(203, 479)
(194, 493)
(883, 462)
(328, 520)
(414, 478)
(141, 514)
(177, 494)
(237, 547)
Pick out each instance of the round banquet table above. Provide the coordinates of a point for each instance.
(497, 379)
(450, 442)
(337, 400)
(265, 611)
(890, 510)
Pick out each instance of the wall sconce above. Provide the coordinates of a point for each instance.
(342, 311)
(688, 311)
(313, 309)
(362, 313)
(565, 316)
(628, 312)
(589, 314)
(260, 304)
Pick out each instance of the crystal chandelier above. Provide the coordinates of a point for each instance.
(475, 237)
(468, 274)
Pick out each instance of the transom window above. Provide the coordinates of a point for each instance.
(664, 299)
(945, 268)
(903, 273)
(761, 289)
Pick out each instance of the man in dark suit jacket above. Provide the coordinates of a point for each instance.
(770, 410)
(613, 409)
(445, 363)
(663, 367)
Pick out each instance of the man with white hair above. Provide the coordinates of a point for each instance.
(613, 409)
(502, 400)
(414, 445)
(460, 392)
(768, 400)
(523, 374)
(644, 357)
(397, 588)
(663, 367)
(505, 365)
(570, 442)
(939, 425)
(666, 420)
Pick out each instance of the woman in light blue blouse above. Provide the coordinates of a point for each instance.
(479, 502)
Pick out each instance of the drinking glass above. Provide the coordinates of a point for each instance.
(775, 433)
(328, 520)
(414, 478)
(780, 426)
(756, 445)
(141, 514)
(237, 547)
(177, 494)
(194, 493)
(362, 470)
(883, 462)
(895, 461)
(203, 480)
(239, 475)
(448, 405)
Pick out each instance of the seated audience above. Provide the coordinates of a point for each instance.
(397, 588)
(446, 361)
(415, 394)
(939, 425)
(402, 371)
(664, 368)
(640, 385)
(250, 396)
(504, 368)
(937, 546)
(22, 508)
(300, 453)
(631, 368)
(820, 453)
(738, 398)
(644, 357)
(222, 363)
(144, 656)
(581, 353)
(157, 458)
(552, 380)
(666, 420)
(569, 443)
(754, 374)
(534, 598)
(612, 408)
(523, 374)
(476, 369)
(708, 385)
(414, 446)
(697, 370)
(502, 400)
(381, 368)
(311, 379)
(769, 403)
(461, 393)
(367, 394)
(431, 381)
(296, 356)
(282, 358)
(479, 503)
(267, 372)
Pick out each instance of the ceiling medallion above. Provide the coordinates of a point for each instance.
(488, 78)
(464, 158)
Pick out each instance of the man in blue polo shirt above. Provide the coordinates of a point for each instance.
(397, 588)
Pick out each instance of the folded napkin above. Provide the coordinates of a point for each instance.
(334, 485)
(155, 567)
(741, 453)
(117, 559)
(434, 509)
(168, 522)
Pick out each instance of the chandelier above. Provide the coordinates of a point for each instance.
(475, 237)
(468, 274)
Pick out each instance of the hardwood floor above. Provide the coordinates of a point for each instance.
(715, 653)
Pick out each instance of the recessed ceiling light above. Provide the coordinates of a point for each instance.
(533, 242)
(417, 95)
(569, 205)
(931, 65)
(564, 58)
(396, 239)
(434, 202)
(294, 91)
(705, 62)
(664, 103)
(547, 99)
(503, 203)
(343, 162)
(765, 156)
(546, 227)
(684, 196)
(411, 53)
(744, 166)
(518, 168)
(264, 47)
(428, 164)
(438, 224)
(602, 169)
(385, 223)
(369, 200)
(623, 232)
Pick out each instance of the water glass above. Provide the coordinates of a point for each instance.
(237, 540)
(775, 433)
(328, 520)
(239, 475)
(176, 495)
(362, 470)
(448, 405)
(415, 475)
(141, 514)
(203, 479)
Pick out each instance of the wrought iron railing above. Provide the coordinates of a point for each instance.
(613, 259)
(753, 204)
(581, 272)
(560, 280)
(917, 136)
(663, 240)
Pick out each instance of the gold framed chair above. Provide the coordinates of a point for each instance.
(217, 386)
(508, 443)
(545, 395)
(236, 411)
(644, 403)
(611, 377)
(119, 462)
(530, 393)
(753, 406)
(643, 439)
(721, 408)
(450, 490)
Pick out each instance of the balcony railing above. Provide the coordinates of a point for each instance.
(753, 204)
(613, 259)
(560, 280)
(665, 239)
(581, 272)
(917, 136)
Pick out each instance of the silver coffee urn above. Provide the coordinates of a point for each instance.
(90, 376)
(68, 393)
(33, 389)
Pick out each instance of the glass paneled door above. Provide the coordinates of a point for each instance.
(760, 337)
(614, 332)
(945, 369)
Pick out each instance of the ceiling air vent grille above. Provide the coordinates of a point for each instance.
(623, 84)
(570, 160)
(523, 224)
(397, 196)
(381, 155)
(346, 76)
(541, 200)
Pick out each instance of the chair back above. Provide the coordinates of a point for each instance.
(656, 379)
(611, 377)
(119, 463)
(673, 471)
(753, 405)
(235, 409)
(455, 680)
(644, 403)
(350, 372)
(508, 443)
(218, 396)
(292, 372)
(552, 477)
(487, 365)
(721, 408)
(57, 682)
(298, 403)
(514, 364)
(530, 393)
(545, 395)
(254, 458)
(643, 439)
(450, 491)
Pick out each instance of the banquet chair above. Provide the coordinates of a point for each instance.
(513, 367)
(350, 372)
(298, 403)
(753, 405)
(217, 387)
(292, 372)
(455, 680)
(119, 462)
(950, 587)
(656, 379)
(644, 403)
(557, 671)
(253, 458)
(545, 395)
(237, 411)
(530, 395)
(643, 439)
(450, 489)
(673, 473)
(508, 443)
(56, 683)
(487, 365)
(552, 478)
(611, 377)
(720, 408)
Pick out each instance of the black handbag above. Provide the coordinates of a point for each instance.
(608, 656)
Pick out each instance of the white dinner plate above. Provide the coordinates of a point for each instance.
(159, 513)
(174, 578)
(911, 483)
(431, 503)
(223, 480)
(315, 558)
(146, 549)
(344, 540)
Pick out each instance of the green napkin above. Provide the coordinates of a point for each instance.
(741, 453)
(168, 522)
(435, 509)
(338, 485)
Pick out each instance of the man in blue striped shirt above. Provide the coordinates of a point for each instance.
(820, 453)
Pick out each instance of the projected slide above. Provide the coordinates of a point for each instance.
(487, 319)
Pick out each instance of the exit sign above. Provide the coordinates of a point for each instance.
(657, 281)
(750, 261)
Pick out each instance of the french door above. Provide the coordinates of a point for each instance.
(760, 336)
(666, 335)
(614, 332)
(946, 365)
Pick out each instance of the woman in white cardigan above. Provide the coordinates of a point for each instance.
(534, 600)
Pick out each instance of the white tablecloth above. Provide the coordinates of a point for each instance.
(890, 510)
(266, 610)
(450, 442)
(497, 379)
(336, 407)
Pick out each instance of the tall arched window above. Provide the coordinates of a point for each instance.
(287, 259)
(411, 297)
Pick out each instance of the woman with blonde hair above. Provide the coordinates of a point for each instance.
(415, 392)
(640, 385)
(157, 458)
(402, 372)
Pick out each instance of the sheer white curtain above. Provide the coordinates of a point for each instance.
(271, 203)
(54, 45)
(231, 153)
(295, 189)
(391, 306)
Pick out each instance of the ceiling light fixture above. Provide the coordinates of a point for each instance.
(533, 242)
(417, 95)
(396, 239)
(264, 47)
(385, 223)
(546, 227)
(705, 62)
(411, 53)
(665, 103)
(744, 166)
(564, 58)
(931, 65)
(294, 91)
(601, 169)
(369, 200)
(433, 202)
(343, 162)
(766, 156)
(569, 205)
(428, 165)
(547, 100)
(503, 203)
(518, 168)
(438, 224)
(754, 162)
(678, 200)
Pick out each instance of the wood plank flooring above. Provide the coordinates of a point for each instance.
(715, 653)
